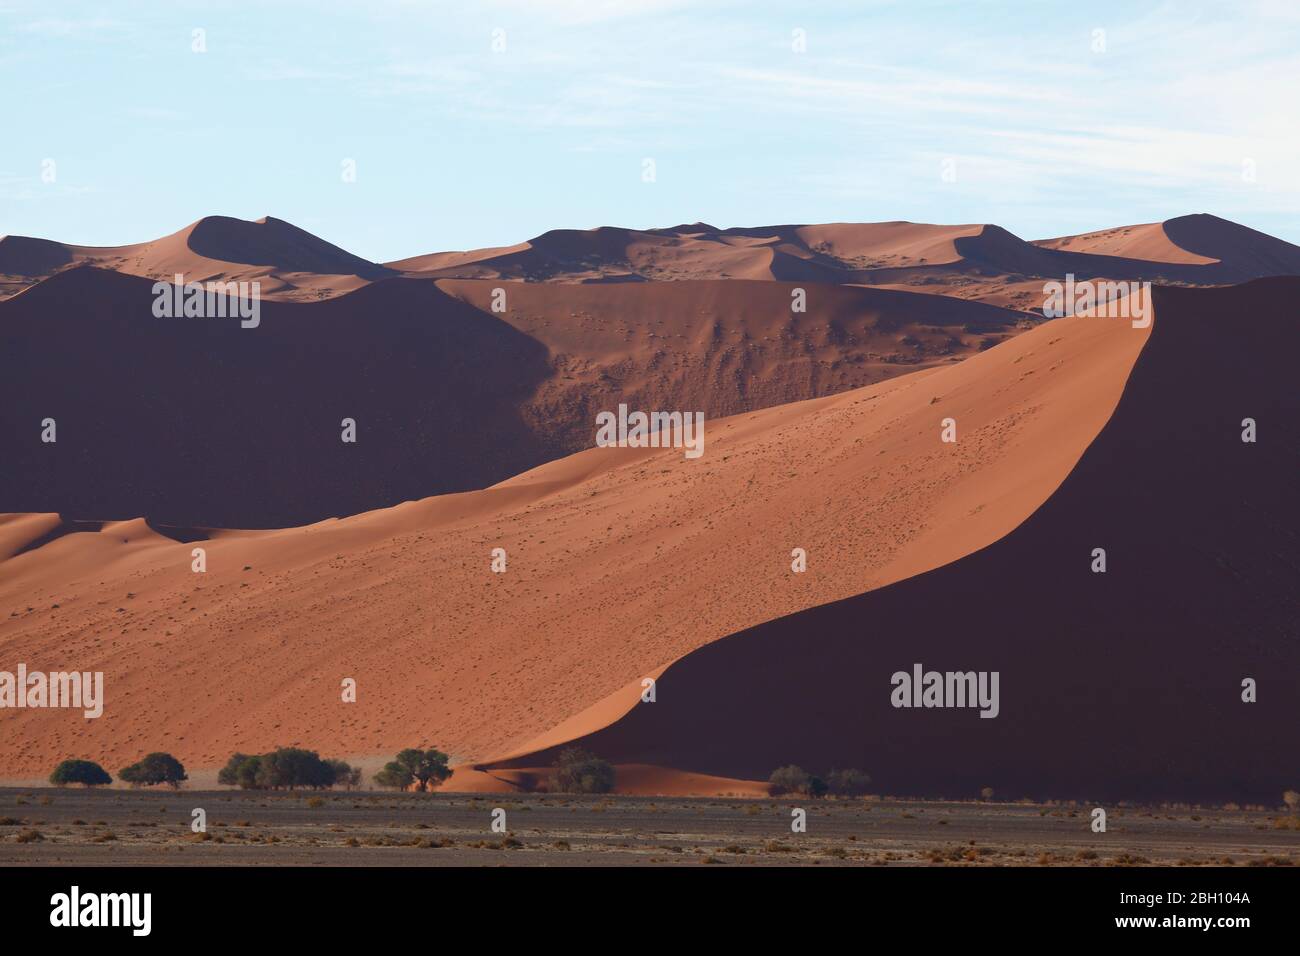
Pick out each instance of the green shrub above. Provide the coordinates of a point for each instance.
(285, 768)
(292, 767)
(395, 776)
(579, 771)
(80, 771)
(848, 783)
(154, 769)
(240, 771)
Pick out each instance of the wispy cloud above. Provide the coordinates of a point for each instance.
(60, 27)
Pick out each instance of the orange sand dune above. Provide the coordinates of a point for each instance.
(232, 426)
(1149, 241)
(289, 263)
(984, 263)
(620, 561)
(827, 252)
(972, 261)
(1126, 684)
(1229, 251)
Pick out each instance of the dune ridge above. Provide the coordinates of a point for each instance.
(972, 261)
(447, 395)
(1122, 685)
(615, 568)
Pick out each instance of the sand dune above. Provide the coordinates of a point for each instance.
(620, 562)
(1118, 685)
(625, 564)
(290, 263)
(971, 261)
(447, 395)
(984, 263)
(1236, 253)
(1148, 241)
(199, 421)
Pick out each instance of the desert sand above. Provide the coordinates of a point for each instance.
(1129, 682)
(625, 564)
(619, 562)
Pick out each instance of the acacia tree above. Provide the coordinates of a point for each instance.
(395, 776)
(428, 768)
(789, 779)
(85, 772)
(284, 767)
(154, 769)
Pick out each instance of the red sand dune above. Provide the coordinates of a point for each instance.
(1237, 253)
(620, 562)
(1118, 685)
(628, 563)
(447, 395)
(289, 263)
(972, 261)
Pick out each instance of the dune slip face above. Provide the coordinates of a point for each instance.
(391, 446)
(620, 561)
(1138, 681)
(238, 426)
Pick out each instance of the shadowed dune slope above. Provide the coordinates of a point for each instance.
(1119, 685)
(620, 561)
(197, 421)
(723, 346)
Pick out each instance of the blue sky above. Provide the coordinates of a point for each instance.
(1049, 126)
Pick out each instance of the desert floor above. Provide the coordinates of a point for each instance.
(122, 827)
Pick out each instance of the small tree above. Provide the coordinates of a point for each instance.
(1291, 798)
(986, 794)
(241, 770)
(789, 779)
(292, 767)
(428, 768)
(848, 783)
(395, 775)
(345, 775)
(580, 771)
(154, 769)
(85, 772)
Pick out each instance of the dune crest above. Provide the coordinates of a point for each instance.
(1125, 684)
(615, 568)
